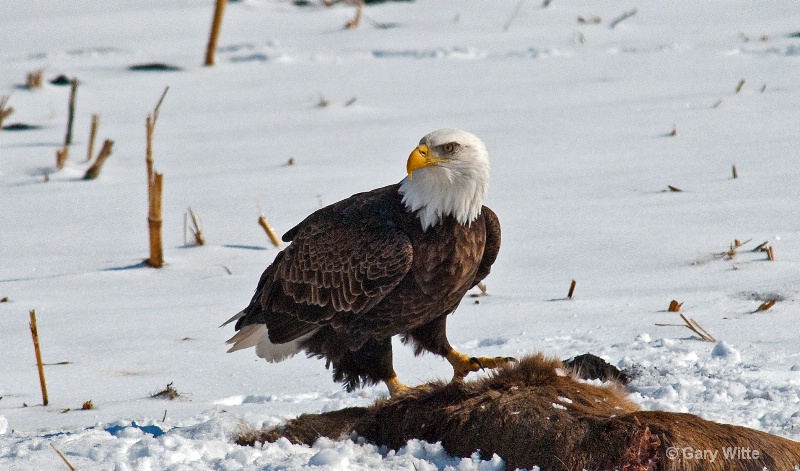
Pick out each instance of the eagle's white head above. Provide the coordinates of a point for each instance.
(450, 171)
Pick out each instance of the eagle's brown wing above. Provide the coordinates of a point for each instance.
(343, 259)
(492, 246)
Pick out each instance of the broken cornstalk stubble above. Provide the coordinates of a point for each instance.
(71, 111)
(196, 228)
(92, 135)
(155, 183)
(39, 364)
(5, 111)
(93, 171)
(213, 36)
(273, 236)
(695, 327)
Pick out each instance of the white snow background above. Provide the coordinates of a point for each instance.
(577, 117)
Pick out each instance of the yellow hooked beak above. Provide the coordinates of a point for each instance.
(420, 158)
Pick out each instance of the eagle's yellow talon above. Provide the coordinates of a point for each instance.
(463, 365)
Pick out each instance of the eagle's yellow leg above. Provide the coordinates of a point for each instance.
(463, 365)
(395, 386)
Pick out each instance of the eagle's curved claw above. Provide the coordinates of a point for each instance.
(463, 365)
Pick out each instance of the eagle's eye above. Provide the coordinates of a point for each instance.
(451, 147)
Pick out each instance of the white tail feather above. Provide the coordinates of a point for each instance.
(256, 335)
(248, 336)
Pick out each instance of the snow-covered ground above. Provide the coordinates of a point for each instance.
(577, 117)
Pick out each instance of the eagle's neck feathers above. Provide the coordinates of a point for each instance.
(456, 190)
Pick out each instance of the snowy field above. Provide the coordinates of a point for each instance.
(578, 117)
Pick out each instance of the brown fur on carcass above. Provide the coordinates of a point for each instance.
(534, 414)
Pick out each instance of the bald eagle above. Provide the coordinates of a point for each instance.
(392, 261)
